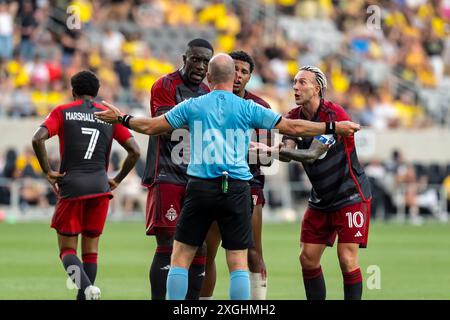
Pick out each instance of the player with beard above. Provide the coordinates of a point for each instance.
(339, 205)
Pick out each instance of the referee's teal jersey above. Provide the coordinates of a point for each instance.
(220, 127)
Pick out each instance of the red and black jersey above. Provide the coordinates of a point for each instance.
(84, 146)
(167, 92)
(258, 177)
(338, 180)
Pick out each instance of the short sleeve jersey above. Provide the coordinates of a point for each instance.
(165, 94)
(84, 146)
(220, 125)
(338, 180)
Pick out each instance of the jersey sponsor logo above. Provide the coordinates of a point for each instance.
(358, 234)
(171, 214)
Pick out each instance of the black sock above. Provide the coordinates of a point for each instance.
(90, 267)
(314, 284)
(352, 285)
(196, 276)
(158, 274)
(74, 268)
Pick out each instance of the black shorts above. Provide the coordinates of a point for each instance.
(205, 202)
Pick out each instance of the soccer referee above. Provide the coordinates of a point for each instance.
(218, 188)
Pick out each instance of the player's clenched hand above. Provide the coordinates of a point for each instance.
(111, 115)
(112, 184)
(346, 128)
(52, 178)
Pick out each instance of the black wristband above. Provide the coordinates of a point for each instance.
(126, 120)
(330, 127)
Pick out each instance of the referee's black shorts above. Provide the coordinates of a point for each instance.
(205, 202)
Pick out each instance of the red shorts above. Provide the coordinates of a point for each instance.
(164, 202)
(258, 196)
(350, 223)
(86, 216)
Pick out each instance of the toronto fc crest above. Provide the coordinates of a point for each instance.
(171, 214)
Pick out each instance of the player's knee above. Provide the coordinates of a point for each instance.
(348, 262)
(237, 260)
(308, 261)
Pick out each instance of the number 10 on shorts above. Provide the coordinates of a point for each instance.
(355, 219)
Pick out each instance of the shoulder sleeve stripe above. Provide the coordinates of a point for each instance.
(163, 109)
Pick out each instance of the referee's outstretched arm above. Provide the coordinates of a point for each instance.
(145, 125)
(304, 128)
(159, 125)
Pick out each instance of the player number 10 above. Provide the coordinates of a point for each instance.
(353, 219)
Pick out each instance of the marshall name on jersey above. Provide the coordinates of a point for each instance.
(85, 145)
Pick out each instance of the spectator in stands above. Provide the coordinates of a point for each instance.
(149, 13)
(111, 44)
(404, 186)
(7, 172)
(132, 195)
(376, 173)
(28, 26)
(7, 14)
(27, 165)
(9, 167)
(33, 192)
(20, 103)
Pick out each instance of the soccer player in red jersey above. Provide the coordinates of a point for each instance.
(210, 193)
(340, 198)
(82, 184)
(244, 66)
(166, 179)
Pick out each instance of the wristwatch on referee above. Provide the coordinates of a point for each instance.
(124, 119)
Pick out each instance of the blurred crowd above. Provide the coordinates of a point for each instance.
(379, 58)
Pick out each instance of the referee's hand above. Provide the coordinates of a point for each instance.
(347, 128)
(112, 115)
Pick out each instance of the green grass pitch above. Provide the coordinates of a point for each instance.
(414, 263)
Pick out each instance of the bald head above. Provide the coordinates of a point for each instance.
(221, 69)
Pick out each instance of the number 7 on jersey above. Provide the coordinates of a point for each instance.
(92, 143)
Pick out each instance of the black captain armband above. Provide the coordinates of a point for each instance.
(330, 127)
(125, 120)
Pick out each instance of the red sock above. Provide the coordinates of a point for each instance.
(90, 257)
(66, 251)
(352, 284)
(352, 277)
